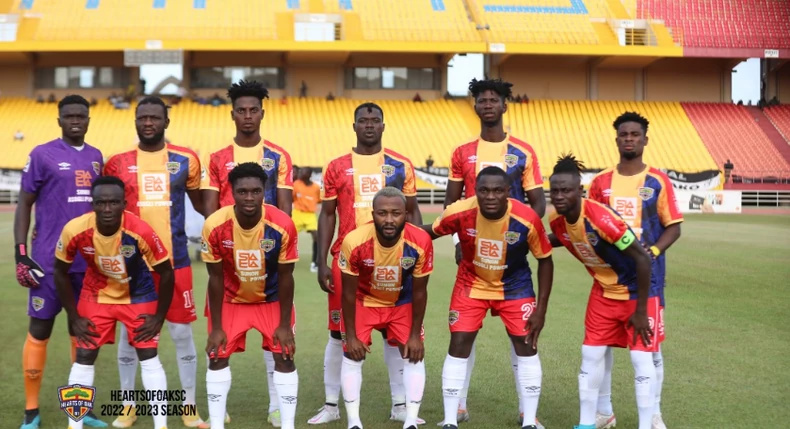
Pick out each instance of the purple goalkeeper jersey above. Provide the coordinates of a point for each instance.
(60, 177)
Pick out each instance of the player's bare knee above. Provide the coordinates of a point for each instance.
(347, 356)
(522, 348)
(461, 344)
(41, 329)
(86, 356)
(145, 354)
(335, 335)
(282, 365)
(216, 365)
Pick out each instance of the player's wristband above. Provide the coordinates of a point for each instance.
(456, 240)
(21, 249)
(655, 251)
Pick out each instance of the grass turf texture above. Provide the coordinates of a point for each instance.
(725, 357)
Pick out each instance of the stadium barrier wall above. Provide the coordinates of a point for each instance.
(709, 202)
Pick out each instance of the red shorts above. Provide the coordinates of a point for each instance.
(396, 320)
(606, 323)
(467, 314)
(104, 317)
(335, 299)
(237, 319)
(182, 307)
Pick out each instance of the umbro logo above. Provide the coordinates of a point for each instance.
(350, 171)
(288, 399)
(532, 389)
(214, 398)
(230, 165)
(132, 169)
(472, 159)
(227, 244)
(127, 360)
(188, 358)
(64, 166)
(451, 392)
(641, 379)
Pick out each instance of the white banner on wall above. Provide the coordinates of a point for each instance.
(709, 201)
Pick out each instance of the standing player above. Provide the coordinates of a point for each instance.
(496, 233)
(119, 247)
(250, 249)
(390, 293)
(496, 148)
(644, 197)
(623, 306)
(157, 177)
(306, 196)
(57, 179)
(350, 182)
(248, 146)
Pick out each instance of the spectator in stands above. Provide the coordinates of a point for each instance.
(516, 99)
(740, 102)
(303, 90)
(417, 98)
(728, 166)
(52, 98)
(524, 99)
(19, 136)
(40, 99)
(284, 100)
(94, 101)
(216, 100)
(142, 86)
(429, 161)
(330, 96)
(774, 101)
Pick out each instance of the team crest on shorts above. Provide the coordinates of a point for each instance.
(334, 315)
(646, 193)
(512, 237)
(38, 303)
(173, 167)
(511, 160)
(453, 317)
(96, 167)
(127, 250)
(387, 170)
(407, 262)
(267, 164)
(76, 400)
(592, 238)
(267, 244)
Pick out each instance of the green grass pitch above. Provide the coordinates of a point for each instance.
(726, 355)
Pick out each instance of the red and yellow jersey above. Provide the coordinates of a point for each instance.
(274, 160)
(118, 266)
(494, 264)
(598, 239)
(514, 156)
(250, 258)
(354, 179)
(156, 185)
(386, 274)
(306, 197)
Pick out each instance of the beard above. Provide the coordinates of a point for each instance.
(629, 155)
(380, 230)
(155, 139)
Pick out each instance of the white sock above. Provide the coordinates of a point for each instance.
(644, 380)
(333, 360)
(658, 363)
(470, 365)
(268, 359)
(514, 366)
(453, 377)
(351, 378)
(590, 377)
(181, 333)
(286, 386)
(217, 388)
(414, 382)
(80, 374)
(605, 391)
(154, 378)
(127, 363)
(394, 362)
(530, 376)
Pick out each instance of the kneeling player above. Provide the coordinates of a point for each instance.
(118, 286)
(623, 305)
(250, 249)
(385, 267)
(496, 233)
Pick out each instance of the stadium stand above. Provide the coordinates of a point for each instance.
(554, 127)
(546, 21)
(723, 23)
(729, 132)
(780, 116)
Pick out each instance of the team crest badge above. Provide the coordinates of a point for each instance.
(512, 237)
(453, 317)
(511, 160)
(335, 316)
(646, 193)
(173, 167)
(38, 303)
(592, 238)
(267, 244)
(387, 170)
(60, 245)
(76, 400)
(127, 251)
(342, 263)
(203, 246)
(407, 262)
(96, 167)
(267, 164)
